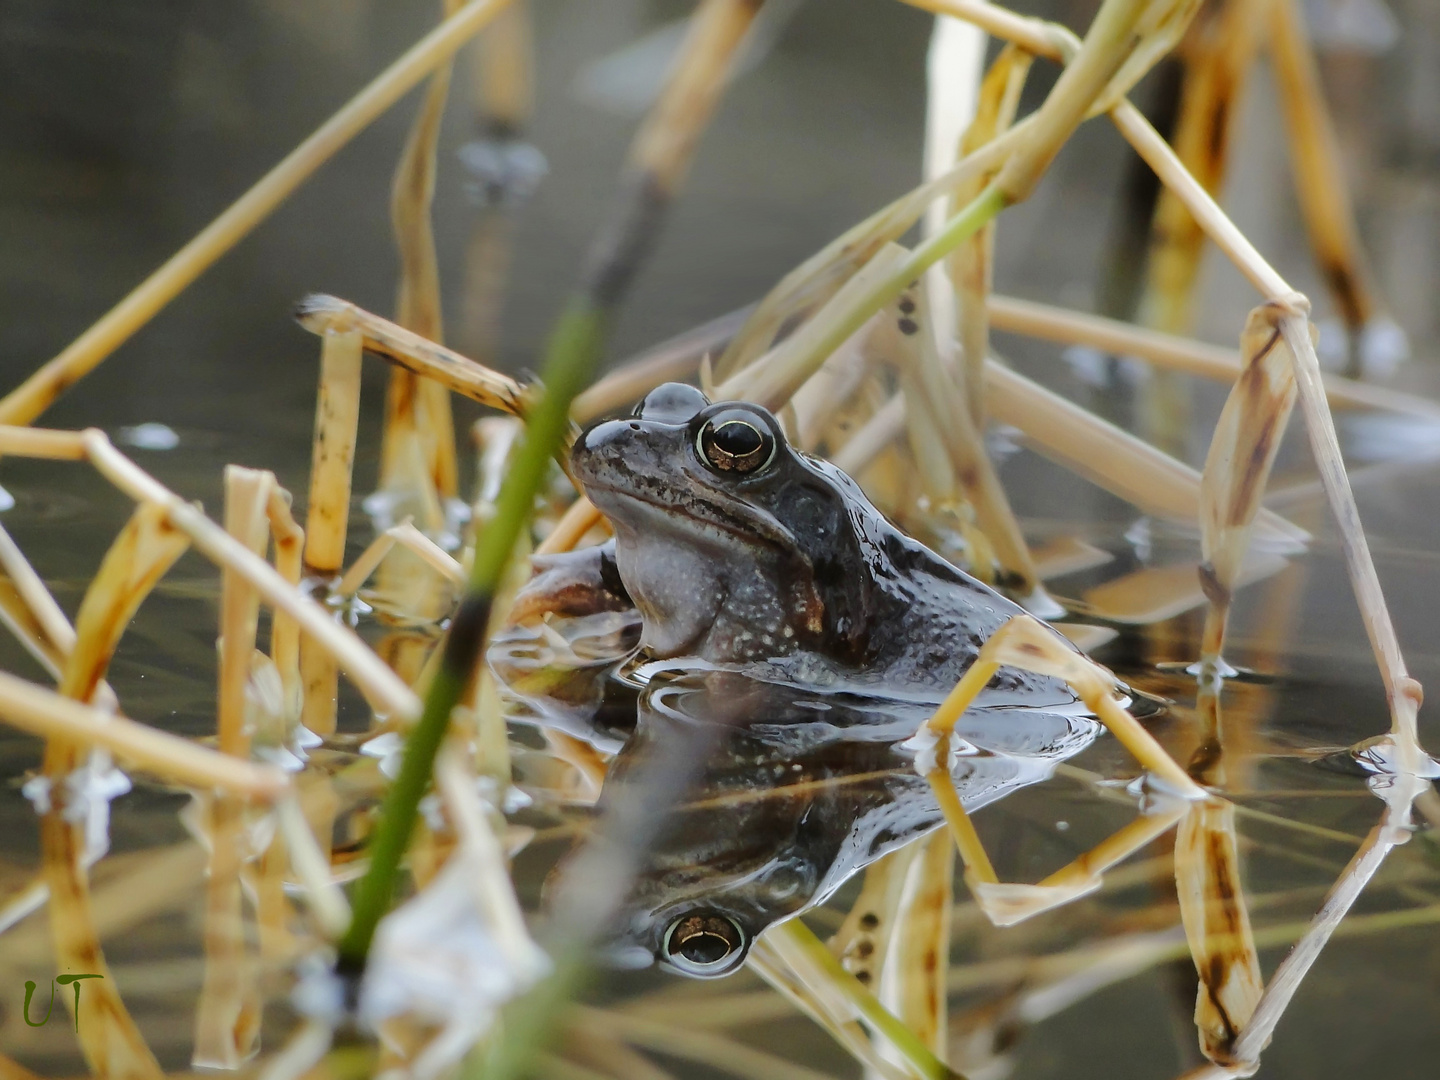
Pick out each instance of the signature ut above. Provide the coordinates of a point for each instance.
(62, 980)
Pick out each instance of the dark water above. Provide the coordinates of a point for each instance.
(124, 128)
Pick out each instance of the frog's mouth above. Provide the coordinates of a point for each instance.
(747, 528)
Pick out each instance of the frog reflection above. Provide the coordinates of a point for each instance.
(795, 793)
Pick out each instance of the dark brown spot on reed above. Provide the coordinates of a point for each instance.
(1210, 585)
(1218, 126)
(908, 326)
(1349, 296)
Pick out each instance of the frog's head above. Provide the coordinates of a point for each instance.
(733, 545)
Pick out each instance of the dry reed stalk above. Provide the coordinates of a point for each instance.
(1318, 167)
(265, 880)
(43, 712)
(1237, 469)
(332, 463)
(419, 410)
(863, 940)
(970, 266)
(1122, 38)
(247, 498)
(504, 83)
(936, 407)
(32, 397)
(332, 468)
(1217, 57)
(15, 613)
(1114, 459)
(872, 437)
(1393, 829)
(912, 980)
(1179, 353)
(227, 1014)
(49, 621)
(772, 379)
(311, 864)
(1403, 692)
(325, 314)
(1217, 925)
(375, 680)
(1155, 593)
(412, 539)
(284, 630)
(824, 408)
(144, 550)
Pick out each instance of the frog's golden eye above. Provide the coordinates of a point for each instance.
(734, 441)
(705, 944)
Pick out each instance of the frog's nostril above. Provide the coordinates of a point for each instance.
(634, 426)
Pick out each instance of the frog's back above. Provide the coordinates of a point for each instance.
(927, 619)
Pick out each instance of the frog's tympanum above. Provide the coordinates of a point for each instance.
(757, 566)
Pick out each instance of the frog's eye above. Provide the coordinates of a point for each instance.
(735, 441)
(705, 945)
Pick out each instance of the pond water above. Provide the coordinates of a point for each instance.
(125, 128)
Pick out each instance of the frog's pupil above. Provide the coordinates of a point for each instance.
(704, 948)
(737, 438)
(703, 940)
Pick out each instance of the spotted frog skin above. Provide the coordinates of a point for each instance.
(739, 550)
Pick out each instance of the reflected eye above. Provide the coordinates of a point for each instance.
(705, 945)
(734, 441)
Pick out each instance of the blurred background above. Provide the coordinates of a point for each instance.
(126, 127)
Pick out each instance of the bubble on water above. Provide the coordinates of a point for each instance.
(150, 436)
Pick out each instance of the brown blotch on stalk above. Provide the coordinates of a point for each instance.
(1318, 167)
(1242, 452)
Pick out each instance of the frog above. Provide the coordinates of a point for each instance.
(741, 551)
(809, 635)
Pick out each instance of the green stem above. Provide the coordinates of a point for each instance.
(574, 347)
(916, 1054)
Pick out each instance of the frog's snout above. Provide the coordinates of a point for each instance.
(603, 442)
